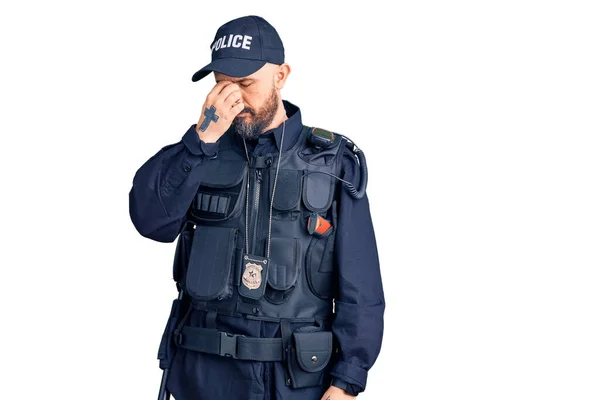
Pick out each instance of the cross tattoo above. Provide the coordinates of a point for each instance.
(210, 115)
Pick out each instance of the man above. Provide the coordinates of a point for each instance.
(280, 289)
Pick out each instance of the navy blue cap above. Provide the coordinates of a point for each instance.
(243, 46)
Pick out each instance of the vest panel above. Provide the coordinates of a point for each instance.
(299, 278)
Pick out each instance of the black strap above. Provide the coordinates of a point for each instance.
(180, 325)
(244, 307)
(211, 319)
(226, 344)
(286, 335)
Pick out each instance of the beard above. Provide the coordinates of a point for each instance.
(259, 121)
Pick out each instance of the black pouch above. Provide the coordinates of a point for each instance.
(318, 191)
(288, 190)
(221, 192)
(284, 269)
(309, 355)
(209, 274)
(182, 252)
(320, 262)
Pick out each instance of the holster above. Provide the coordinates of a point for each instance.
(167, 347)
(180, 306)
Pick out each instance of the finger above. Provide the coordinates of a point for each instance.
(230, 113)
(237, 108)
(217, 89)
(226, 91)
(232, 98)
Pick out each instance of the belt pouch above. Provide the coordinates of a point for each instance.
(308, 357)
(211, 259)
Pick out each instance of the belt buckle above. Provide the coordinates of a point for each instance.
(228, 344)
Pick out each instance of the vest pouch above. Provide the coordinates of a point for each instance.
(288, 190)
(309, 355)
(221, 192)
(318, 190)
(320, 271)
(319, 266)
(209, 274)
(284, 268)
(182, 252)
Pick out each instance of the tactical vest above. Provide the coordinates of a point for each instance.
(298, 283)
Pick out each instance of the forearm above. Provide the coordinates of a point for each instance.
(165, 186)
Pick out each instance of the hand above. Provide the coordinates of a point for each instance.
(222, 105)
(335, 393)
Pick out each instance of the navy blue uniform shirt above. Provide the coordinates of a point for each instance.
(164, 188)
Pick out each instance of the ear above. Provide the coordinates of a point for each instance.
(281, 73)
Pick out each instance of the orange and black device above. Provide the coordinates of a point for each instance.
(318, 225)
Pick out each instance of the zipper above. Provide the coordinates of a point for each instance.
(255, 205)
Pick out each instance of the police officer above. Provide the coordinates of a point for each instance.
(276, 262)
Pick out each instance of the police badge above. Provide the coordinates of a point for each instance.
(254, 277)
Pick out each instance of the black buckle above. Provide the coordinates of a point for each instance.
(260, 161)
(228, 345)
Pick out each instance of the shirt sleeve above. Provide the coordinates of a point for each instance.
(360, 302)
(165, 185)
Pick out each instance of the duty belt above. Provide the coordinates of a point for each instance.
(225, 344)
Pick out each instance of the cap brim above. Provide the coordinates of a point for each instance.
(236, 67)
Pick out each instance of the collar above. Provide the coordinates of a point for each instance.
(293, 127)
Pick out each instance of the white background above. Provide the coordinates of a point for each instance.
(480, 123)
